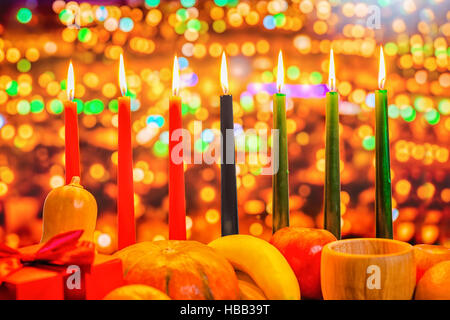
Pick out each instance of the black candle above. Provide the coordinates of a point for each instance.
(229, 210)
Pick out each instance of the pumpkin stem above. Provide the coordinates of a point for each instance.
(75, 180)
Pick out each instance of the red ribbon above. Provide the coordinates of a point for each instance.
(62, 249)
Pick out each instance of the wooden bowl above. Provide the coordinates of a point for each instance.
(368, 269)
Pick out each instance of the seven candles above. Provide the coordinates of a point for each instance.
(125, 196)
(280, 178)
(383, 199)
(332, 194)
(177, 205)
(177, 229)
(229, 209)
(72, 151)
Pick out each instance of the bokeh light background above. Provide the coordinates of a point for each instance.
(37, 40)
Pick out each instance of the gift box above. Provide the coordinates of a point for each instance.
(30, 283)
(95, 281)
(73, 273)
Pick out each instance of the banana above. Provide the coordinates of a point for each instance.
(249, 291)
(262, 262)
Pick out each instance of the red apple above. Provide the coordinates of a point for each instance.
(427, 255)
(302, 248)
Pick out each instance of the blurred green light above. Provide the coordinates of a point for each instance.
(293, 73)
(160, 149)
(408, 114)
(113, 105)
(56, 106)
(66, 16)
(184, 109)
(220, 3)
(182, 14)
(94, 106)
(256, 171)
(152, 3)
(36, 106)
(419, 104)
(390, 48)
(12, 88)
(384, 3)
(432, 116)
(23, 65)
(280, 19)
(24, 15)
(194, 24)
(368, 143)
(80, 105)
(247, 102)
(315, 77)
(84, 35)
(23, 107)
(252, 143)
(393, 111)
(187, 3)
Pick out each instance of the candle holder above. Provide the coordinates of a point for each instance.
(368, 269)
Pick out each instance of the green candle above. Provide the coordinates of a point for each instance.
(332, 192)
(280, 178)
(383, 197)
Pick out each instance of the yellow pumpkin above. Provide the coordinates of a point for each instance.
(70, 207)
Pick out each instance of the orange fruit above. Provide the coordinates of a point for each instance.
(435, 283)
(427, 255)
(136, 292)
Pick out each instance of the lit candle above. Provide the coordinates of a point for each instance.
(125, 195)
(72, 151)
(383, 197)
(177, 202)
(280, 178)
(332, 194)
(229, 209)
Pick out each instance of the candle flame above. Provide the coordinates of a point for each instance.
(70, 83)
(280, 73)
(381, 70)
(122, 78)
(331, 73)
(175, 77)
(224, 74)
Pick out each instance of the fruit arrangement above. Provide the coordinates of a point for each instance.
(287, 267)
(295, 263)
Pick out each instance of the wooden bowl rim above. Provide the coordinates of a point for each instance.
(328, 248)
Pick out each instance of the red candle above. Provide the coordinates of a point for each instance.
(125, 194)
(72, 151)
(177, 205)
